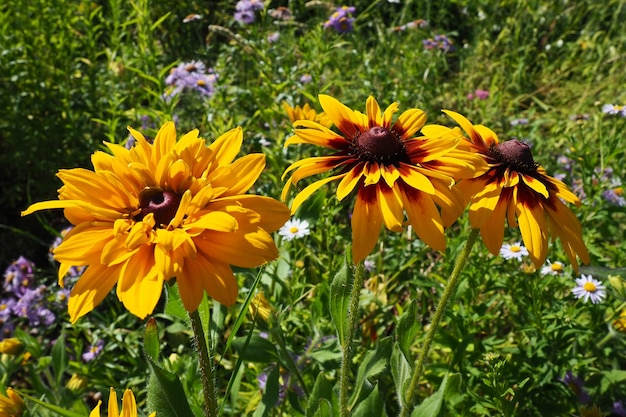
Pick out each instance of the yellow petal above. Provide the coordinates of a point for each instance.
(227, 146)
(492, 231)
(424, 217)
(532, 225)
(240, 176)
(113, 407)
(46, 205)
(306, 193)
(409, 122)
(373, 112)
(483, 204)
(346, 120)
(352, 178)
(163, 142)
(129, 407)
(93, 285)
(413, 178)
(536, 185)
(366, 223)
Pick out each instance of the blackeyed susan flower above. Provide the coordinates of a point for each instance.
(306, 112)
(393, 171)
(129, 406)
(155, 212)
(519, 190)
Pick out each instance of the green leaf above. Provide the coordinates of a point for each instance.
(373, 363)
(433, 405)
(340, 298)
(174, 305)
(400, 370)
(321, 398)
(257, 349)
(59, 359)
(372, 406)
(51, 407)
(151, 339)
(166, 395)
(408, 328)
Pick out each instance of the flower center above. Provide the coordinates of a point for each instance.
(556, 266)
(380, 144)
(515, 248)
(590, 287)
(163, 204)
(294, 229)
(516, 154)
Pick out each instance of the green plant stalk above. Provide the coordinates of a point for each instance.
(290, 364)
(206, 366)
(346, 343)
(407, 404)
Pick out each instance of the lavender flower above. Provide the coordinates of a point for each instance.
(191, 76)
(614, 109)
(440, 42)
(244, 10)
(93, 351)
(576, 385)
(341, 21)
(519, 122)
(19, 276)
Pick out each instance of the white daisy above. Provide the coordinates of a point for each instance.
(589, 288)
(294, 229)
(552, 268)
(515, 250)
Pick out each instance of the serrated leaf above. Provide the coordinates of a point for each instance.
(340, 298)
(372, 406)
(256, 349)
(373, 363)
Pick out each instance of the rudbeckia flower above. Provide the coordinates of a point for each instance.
(129, 406)
(393, 171)
(306, 113)
(155, 212)
(519, 190)
(11, 404)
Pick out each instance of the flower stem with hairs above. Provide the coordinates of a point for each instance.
(407, 404)
(347, 342)
(206, 366)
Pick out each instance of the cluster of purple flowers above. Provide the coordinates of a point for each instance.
(191, 76)
(478, 94)
(341, 21)
(22, 302)
(441, 42)
(614, 109)
(245, 10)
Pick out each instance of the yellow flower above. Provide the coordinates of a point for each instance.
(518, 189)
(260, 308)
(172, 209)
(129, 406)
(76, 383)
(10, 346)
(393, 171)
(11, 404)
(306, 113)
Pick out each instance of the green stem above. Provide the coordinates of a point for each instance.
(407, 404)
(346, 347)
(290, 364)
(206, 366)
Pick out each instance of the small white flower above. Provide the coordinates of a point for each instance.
(552, 268)
(589, 288)
(516, 250)
(294, 229)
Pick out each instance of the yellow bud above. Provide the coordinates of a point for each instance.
(10, 346)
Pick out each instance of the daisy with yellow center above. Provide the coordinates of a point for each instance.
(162, 211)
(393, 171)
(517, 189)
(588, 288)
(129, 406)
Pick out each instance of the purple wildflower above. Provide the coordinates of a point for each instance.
(614, 109)
(341, 20)
(93, 351)
(273, 37)
(306, 78)
(19, 276)
(191, 76)
(32, 307)
(519, 122)
(619, 409)
(244, 10)
(440, 42)
(576, 385)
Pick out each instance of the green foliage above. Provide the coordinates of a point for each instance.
(77, 73)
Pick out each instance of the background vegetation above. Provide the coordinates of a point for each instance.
(74, 73)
